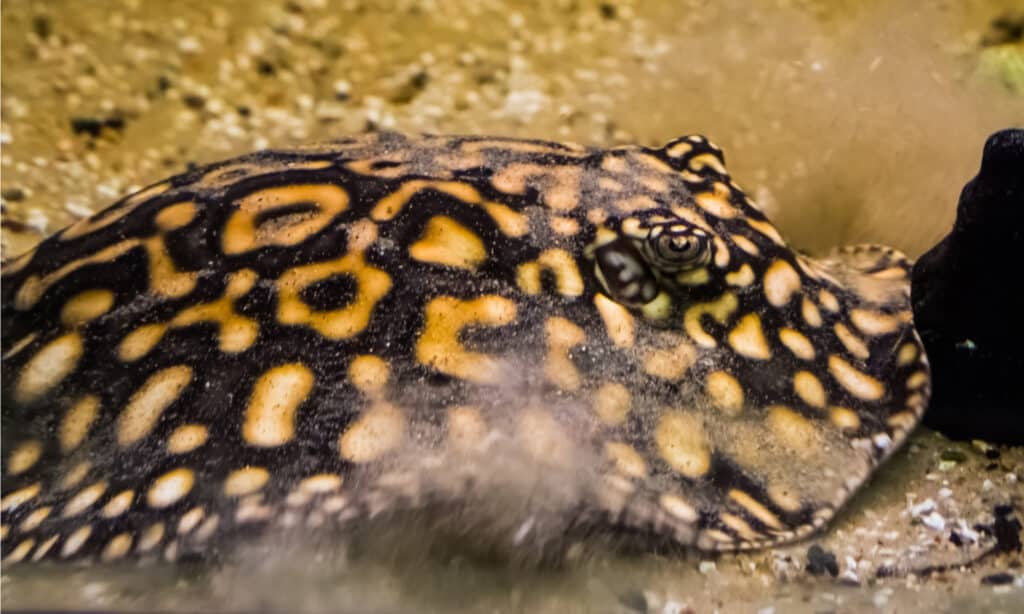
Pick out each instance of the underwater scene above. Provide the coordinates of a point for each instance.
(507, 306)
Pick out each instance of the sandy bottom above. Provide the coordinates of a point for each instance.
(849, 121)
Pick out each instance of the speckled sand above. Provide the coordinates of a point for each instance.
(850, 121)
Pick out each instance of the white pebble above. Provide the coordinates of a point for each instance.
(707, 567)
(926, 506)
(935, 521)
(945, 493)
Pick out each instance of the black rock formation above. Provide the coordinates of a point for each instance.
(968, 298)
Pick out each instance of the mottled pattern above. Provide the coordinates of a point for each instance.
(271, 339)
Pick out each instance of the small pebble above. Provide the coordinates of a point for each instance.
(935, 521)
(820, 561)
(998, 578)
(707, 567)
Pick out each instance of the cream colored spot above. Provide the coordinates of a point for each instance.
(164, 277)
(722, 255)
(377, 432)
(150, 537)
(683, 444)
(169, 488)
(844, 418)
(679, 508)
(562, 336)
(20, 551)
(346, 322)
(670, 363)
(756, 509)
(466, 428)
(611, 403)
(797, 343)
(917, 379)
(719, 309)
(20, 345)
(766, 229)
(853, 344)
(704, 161)
(190, 519)
(741, 278)
(24, 456)
(118, 504)
(627, 460)
(146, 405)
(543, 438)
(561, 264)
(439, 345)
(902, 421)
(725, 392)
(34, 519)
(369, 374)
(45, 547)
(84, 499)
(565, 226)
(907, 354)
(746, 245)
(510, 222)
(828, 301)
(748, 338)
(175, 216)
(448, 243)
(659, 309)
(809, 388)
(810, 313)
(781, 282)
(276, 397)
(320, 484)
(618, 322)
(874, 322)
(86, 307)
(558, 185)
(75, 425)
(392, 204)
(265, 216)
(856, 383)
(117, 547)
(75, 475)
(740, 526)
(140, 341)
(75, 541)
(717, 202)
(48, 368)
(361, 235)
(679, 149)
(186, 438)
(694, 277)
(793, 430)
(246, 481)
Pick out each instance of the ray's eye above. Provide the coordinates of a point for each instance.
(677, 247)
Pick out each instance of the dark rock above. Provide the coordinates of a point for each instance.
(42, 26)
(820, 561)
(13, 194)
(1006, 530)
(87, 125)
(194, 101)
(93, 126)
(967, 303)
(998, 578)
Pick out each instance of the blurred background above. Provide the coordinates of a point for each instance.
(849, 120)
